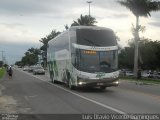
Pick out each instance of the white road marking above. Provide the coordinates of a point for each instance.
(88, 99)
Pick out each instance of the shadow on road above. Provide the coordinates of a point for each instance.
(85, 89)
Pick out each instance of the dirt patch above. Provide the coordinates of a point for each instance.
(9, 105)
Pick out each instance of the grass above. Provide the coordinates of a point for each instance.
(143, 80)
(2, 72)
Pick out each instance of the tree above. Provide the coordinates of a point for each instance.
(34, 51)
(18, 63)
(125, 58)
(84, 20)
(30, 58)
(66, 27)
(52, 35)
(149, 52)
(139, 8)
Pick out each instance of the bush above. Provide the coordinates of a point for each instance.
(2, 72)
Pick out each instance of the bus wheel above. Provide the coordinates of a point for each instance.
(102, 87)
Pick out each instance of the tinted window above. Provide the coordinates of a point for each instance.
(96, 37)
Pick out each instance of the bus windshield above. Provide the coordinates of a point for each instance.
(92, 37)
(96, 61)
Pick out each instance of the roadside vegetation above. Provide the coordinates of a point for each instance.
(141, 80)
(30, 57)
(149, 55)
(2, 72)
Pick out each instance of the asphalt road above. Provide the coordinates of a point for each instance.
(30, 94)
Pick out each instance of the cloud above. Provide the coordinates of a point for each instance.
(107, 4)
(55, 8)
(15, 40)
(156, 24)
(155, 18)
(16, 33)
(32, 7)
(155, 15)
(22, 7)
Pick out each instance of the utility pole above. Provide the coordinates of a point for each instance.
(89, 2)
(3, 58)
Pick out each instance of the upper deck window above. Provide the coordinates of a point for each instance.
(91, 37)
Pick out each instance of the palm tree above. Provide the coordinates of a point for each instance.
(84, 20)
(52, 35)
(45, 43)
(66, 27)
(140, 8)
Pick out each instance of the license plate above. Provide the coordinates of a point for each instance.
(100, 84)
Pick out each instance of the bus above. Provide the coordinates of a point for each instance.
(84, 56)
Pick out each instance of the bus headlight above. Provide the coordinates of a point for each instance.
(116, 82)
(82, 83)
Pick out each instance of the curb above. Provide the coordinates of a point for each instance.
(138, 82)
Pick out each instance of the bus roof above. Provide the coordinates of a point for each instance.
(74, 28)
(89, 27)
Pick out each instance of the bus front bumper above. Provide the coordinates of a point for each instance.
(109, 82)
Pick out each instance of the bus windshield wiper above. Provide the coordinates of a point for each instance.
(91, 42)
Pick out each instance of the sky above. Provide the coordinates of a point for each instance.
(24, 22)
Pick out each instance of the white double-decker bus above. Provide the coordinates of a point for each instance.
(84, 56)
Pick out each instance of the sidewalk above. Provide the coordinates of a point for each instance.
(138, 82)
